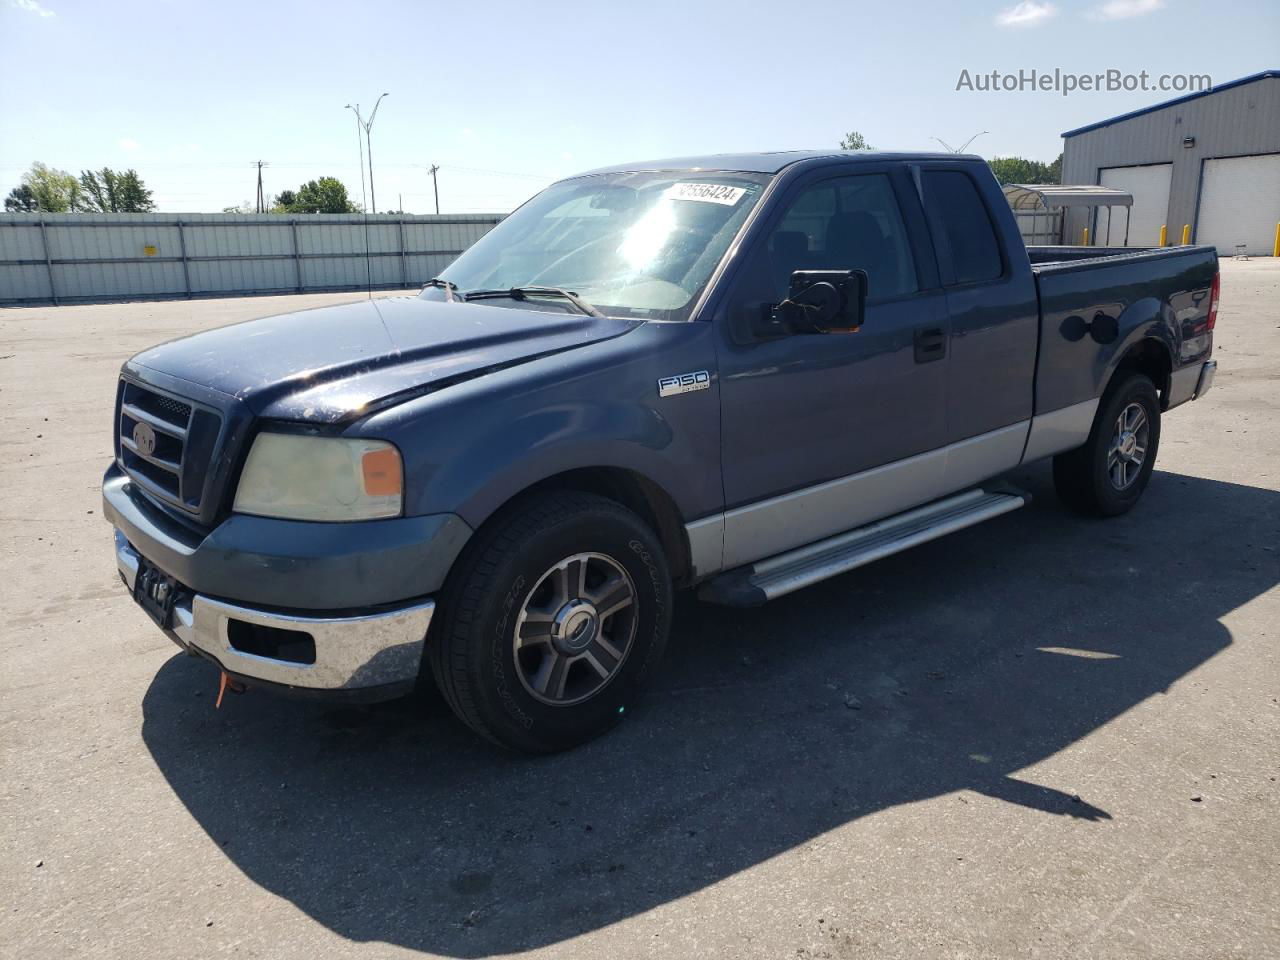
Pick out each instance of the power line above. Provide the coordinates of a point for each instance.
(502, 173)
(165, 165)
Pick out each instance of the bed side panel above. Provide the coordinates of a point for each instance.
(1093, 311)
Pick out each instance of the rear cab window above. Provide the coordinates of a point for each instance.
(961, 226)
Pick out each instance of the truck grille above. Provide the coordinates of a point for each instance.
(165, 444)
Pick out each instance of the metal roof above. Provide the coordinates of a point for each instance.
(1022, 196)
(1252, 78)
(770, 162)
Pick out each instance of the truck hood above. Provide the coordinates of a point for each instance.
(337, 363)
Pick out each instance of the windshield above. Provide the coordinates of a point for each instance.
(639, 245)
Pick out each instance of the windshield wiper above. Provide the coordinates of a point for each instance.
(450, 288)
(524, 293)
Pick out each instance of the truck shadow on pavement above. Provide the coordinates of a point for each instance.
(948, 668)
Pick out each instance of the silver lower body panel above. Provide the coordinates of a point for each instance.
(1060, 430)
(1207, 373)
(381, 648)
(1187, 382)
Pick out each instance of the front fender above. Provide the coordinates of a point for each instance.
(477, 444)
(543, 443)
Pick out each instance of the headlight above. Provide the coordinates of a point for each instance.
(298, 477)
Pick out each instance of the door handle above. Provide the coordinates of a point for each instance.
(931, 344)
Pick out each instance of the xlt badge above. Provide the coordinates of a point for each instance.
(684, 383)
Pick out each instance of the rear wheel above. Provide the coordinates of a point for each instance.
(1108, 475)
(552, 621)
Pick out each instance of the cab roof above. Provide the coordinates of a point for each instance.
(770, 162)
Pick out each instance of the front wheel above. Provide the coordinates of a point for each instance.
(1107, 475)
(553, 620)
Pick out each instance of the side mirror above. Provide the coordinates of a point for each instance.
(819, 301)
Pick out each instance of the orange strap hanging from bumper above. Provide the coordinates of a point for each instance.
(225, 683)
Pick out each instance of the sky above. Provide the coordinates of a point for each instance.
(505, 97)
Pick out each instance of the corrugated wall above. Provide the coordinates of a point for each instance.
(137, 256)
(1239, 121)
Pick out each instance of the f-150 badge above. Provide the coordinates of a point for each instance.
(684, 383)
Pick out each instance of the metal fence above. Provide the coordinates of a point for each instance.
(77, 257)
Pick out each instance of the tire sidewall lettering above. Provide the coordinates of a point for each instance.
(502, 685)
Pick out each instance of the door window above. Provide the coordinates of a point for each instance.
(845, 224)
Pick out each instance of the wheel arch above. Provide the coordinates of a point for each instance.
(1149, 356)
(638, 493)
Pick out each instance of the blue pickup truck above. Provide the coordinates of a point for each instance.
(743, 374)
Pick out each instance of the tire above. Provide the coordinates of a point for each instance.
(515, 577)
(1102, 478)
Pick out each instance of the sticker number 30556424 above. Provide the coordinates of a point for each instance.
(706, 193)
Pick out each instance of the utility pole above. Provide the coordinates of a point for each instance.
(364, 206)
(435, 185)
(262, 200)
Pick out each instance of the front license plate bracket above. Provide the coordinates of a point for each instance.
(156, 593)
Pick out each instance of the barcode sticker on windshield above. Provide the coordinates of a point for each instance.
(705, 193)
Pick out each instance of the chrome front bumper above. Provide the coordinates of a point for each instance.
(380, 649)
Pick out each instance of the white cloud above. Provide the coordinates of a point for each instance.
(1125, 9)
(1028, 12)
(128, 143)
(32, 6)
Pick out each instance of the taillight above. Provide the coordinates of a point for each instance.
(1213, 299)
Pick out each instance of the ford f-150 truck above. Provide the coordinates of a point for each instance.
(740, 373)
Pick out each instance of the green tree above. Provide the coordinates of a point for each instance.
(1055, 170)
(326, 195)
(853, 140)
(106, 191)
(1022, 170)
(285, 202)
(21, 200)
(55, 191)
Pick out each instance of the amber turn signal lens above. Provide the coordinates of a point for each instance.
(382, 472)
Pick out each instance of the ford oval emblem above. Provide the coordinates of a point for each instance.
(144, 438)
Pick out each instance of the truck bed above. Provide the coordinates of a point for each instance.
(1096, 302)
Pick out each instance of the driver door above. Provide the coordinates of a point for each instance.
(824, 432)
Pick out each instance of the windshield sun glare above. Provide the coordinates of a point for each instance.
(638, 245)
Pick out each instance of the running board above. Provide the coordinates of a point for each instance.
(777, 576)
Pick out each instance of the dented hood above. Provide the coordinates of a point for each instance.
(335, 363)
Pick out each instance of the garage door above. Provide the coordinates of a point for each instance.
(1150, 188)
(1240, 204)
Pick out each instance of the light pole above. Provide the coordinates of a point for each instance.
(360, 153)
(368, 142)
